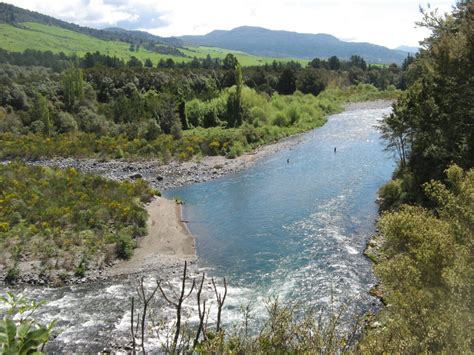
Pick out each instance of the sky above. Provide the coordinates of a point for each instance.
(385, 22)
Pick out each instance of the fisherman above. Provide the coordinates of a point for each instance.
(334, 149)
(288, 161)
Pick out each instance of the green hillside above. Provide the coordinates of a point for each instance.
(30, 35)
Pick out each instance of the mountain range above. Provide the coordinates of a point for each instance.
(256, 41)
(264, 42)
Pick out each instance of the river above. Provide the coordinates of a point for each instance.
(294, 225)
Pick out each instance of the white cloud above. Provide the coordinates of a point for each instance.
(385, 22)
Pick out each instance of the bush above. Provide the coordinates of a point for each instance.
(293, 114)
(11, 123)
(280, 120)
(124, 246)
(66, 123)
(391, 194)
(236, 150)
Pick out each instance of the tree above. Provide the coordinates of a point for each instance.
(170, 63)
(134, 62)
(207, 62)
(358, 62)
(317, 63)
(334, 63)
(40, 113)
(234, 102)
(311, 81)
(435, 113)
(72, 85)
(148, 63)
(426, 272)
(230, 61)
(287, 82)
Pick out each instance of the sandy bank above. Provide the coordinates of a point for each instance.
(168, 240)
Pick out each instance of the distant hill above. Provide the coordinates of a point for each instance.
(15, 16)
(408, 49)
(22, 29)
(261, 41)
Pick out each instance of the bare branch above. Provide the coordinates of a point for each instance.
(220, 302)
(201, 313)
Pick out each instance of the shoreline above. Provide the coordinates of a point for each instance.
(168, 239)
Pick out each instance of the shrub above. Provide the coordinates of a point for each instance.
(392, 194)
(280, 120)
(65, 123)
(124, 246)
(236, 150)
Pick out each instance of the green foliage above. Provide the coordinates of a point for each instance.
(124, 246)
(427, 266)
(427, 271)
(431, 125)
(20, 333)
(66, 123)
(236, 150)
(72, 86)
(40, 113)
(392, 194)
(265, 120)
(312, 81)
(287, 82)
(50, 212)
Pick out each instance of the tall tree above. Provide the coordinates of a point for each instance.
(40, 112)
(287, 82)
(73, 86)
(334, 63)
(234, 102)
(230, 62)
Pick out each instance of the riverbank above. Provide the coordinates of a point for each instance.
(168, 241)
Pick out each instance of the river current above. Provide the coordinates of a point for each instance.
(293, 225)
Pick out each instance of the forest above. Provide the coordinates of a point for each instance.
(100, 106)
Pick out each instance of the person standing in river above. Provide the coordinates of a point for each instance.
(334, 149)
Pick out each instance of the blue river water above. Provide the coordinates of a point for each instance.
(297, 229)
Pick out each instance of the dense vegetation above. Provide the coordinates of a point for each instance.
(427, 266)
(65, 220)
(100, 106)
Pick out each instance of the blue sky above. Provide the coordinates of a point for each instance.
(389, 23)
